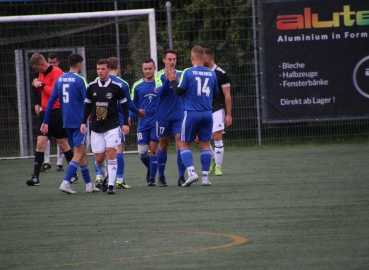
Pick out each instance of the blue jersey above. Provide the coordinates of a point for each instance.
(131, 106)
(70, 89)
(199, 84)
(145, 96)
(170, 106)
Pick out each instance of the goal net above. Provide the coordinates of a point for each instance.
(129, 35)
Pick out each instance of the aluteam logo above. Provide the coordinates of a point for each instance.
(310, 20)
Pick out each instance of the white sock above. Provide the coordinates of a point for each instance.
(47, 152)
(191, 170)
(60, 156)
(120, 180)
(205, 176)
(218, 153)
(112, 169)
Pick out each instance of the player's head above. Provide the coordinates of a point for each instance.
(208, 57)
(114, 63)
(148, 69)
(103, 69)
(38, 63)
(170, 58)
(75, 61)
(197, 55)
(53, 59)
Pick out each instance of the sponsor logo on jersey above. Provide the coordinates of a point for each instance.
(102, 104)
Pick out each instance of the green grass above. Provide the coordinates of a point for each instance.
(304, 207)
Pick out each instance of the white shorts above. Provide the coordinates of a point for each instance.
(111, 139)
(218, 120)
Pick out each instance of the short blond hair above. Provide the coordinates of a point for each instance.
(36, 59)
(198, 52)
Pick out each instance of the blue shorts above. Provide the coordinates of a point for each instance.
(75, 137)
(146, 136)
(197, 123)
(168, 128)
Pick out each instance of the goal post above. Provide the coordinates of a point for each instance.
(139, 38)
(100, 14)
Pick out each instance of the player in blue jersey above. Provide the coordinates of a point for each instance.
(198, 84)
(101, 106)
(113, 74)
(70, 89)
(169, 116)
(145, 96)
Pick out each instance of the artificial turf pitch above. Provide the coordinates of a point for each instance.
(303, 207)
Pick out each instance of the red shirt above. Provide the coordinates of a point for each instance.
(49, 79)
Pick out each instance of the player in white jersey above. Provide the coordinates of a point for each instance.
(222, 111)
(101, 103)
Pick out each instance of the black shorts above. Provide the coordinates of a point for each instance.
(55, 125)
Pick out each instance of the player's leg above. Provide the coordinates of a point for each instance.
(47, 162)
(218, 127)
(163, 131)
(39, 153)
(78, 141)
(204, 135)
(212, 164)
(99, 177)
(162, 155)
(90, 187)
(154, 145)
(205, 158)
(60, 133)
(143, 139)
(72, 165)
(112, 140)
(187, 136)
(120, 183)
(68, 153)
(98, 147)
(59, 163)
(176, 129)
(39, 157)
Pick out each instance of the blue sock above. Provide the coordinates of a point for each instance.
(86, 174)
(180, 165)
(120, 169)
(162, 161)
(205, 158)
(153, 166)
(146, 161)
(187, 157)
(71, 170)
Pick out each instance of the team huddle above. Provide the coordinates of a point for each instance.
(193, 105)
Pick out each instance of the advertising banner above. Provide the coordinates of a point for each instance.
(314, 58)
